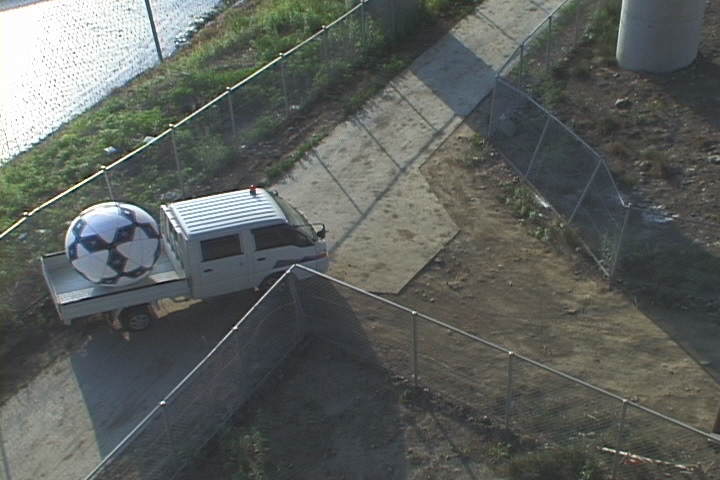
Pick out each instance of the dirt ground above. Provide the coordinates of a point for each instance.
(499, 282)
(544, 300)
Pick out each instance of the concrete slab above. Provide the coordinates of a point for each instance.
(405, 230)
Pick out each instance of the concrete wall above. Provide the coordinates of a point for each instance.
(659, 35)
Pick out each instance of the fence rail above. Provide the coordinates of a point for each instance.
(525, 396)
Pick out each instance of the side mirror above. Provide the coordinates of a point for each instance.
(322, 232)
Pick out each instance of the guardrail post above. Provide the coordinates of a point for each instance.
(228, 90)
(508, 399)
(621, 427)
(414, 349)
(177, 159)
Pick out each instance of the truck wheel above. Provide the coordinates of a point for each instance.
(268, 282)
(136, 319)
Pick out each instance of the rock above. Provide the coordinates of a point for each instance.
(714, 159)
(623, 103)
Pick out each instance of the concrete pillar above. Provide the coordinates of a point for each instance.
(659, 35)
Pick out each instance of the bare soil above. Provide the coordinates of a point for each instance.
(495, 279)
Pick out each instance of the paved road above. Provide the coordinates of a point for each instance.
(363, 181)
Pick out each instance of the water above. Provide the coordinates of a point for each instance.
(60, 57)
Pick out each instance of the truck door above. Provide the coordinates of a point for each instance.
(277, 248)
(223, 266)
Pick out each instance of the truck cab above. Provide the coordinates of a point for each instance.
(238, 240)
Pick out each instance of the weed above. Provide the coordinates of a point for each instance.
(603, 31)
(607, 125)
(556, 463)
(499, 453)
(659, 163)
(244, 454)
(482, 152)
(618, 149)
(277, 169)
(407, 397)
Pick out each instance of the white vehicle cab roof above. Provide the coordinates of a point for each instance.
(197, 217)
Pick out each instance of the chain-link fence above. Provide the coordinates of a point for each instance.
(526, 398)
(184, 160)
(676, 259)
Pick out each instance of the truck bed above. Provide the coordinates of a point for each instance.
(75, 296)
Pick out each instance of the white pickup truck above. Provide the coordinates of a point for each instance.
(211, 246)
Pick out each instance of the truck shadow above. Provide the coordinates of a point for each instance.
(329, 409)
(122, 376)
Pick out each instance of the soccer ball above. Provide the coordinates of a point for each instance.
(113, 244)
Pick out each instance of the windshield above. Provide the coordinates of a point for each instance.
(296, 219)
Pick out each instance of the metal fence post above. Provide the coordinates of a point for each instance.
(177, 159)
(154, 31)
(577, 20)
(537, 147)
(242, 377)
(414, 348)
(585, 192)
(492, 108)
(3, 454)
(300, 318)
(508, 399)
(621, 427)
(228, 90)
(324, 44)
(393, 20)
(163, 412)
(548, 46)
(362, 23)
(628, 208)
(103, 169)
(284, 83)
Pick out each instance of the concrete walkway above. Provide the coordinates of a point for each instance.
(363, 181)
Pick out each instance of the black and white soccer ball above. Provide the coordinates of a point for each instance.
(113, 244)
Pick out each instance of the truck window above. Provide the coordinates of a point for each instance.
(295, 218)
(279, 236)
(221, 247)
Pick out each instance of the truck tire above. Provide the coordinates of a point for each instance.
(268, 282)
(136, 318)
